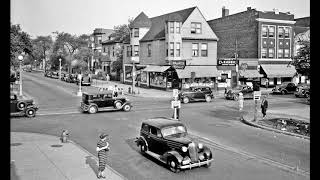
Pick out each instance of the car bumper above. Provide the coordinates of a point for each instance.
(198, 164)
(84, 107)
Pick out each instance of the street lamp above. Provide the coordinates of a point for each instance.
(60, 68)
(35, 64)
(20, 57)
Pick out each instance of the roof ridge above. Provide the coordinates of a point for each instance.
(174, 12)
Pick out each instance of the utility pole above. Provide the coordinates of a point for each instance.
(237, 63)
(133, 76)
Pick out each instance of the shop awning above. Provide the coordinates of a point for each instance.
(278, 70)
(252, 73)
(154, 68)
(200, 71)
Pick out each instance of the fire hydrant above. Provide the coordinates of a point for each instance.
(64, 136)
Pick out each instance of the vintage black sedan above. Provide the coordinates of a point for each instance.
(104, 100)
(19, 106)
(246, 90)
(303, 90)
(168, 141)
(197, 93)
(284, 88)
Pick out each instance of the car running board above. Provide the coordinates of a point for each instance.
(157, 156)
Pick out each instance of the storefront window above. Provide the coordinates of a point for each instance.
(205, 81)
(144, 77)
(158, 79)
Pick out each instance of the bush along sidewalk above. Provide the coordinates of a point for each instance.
(285, 125)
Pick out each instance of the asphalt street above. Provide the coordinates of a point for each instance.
(240, 151)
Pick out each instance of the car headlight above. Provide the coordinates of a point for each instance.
(200, 145)
(184, 149)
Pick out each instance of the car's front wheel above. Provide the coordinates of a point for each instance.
(30, 112)
(127, 107)
(235, 97)
(208, 98)
(92, 109)
(185, 100)
(21, 105)
(143, 148)
(173, 165)
(118, 105)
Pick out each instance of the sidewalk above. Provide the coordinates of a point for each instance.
(142, 92)
(37, 156)
(302, 114)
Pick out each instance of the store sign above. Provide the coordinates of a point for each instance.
(180, 64)
(227, 62)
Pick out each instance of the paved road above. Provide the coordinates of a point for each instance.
(247, 153)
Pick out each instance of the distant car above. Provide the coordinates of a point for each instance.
(284, 88)
(168, 141)
(47, 73)
(303, 90)
(197, 93)
(94, 102)
(246, 90)
(85, 81)
(71, 78)
(55, 75)
(22, 106)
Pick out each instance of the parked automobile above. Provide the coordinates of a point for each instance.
(85, 81)
(22, 106)
(168, 141)
(197, 93)
(55, 75)
(103, 100)
(303, 90)
(246, 90)
(47, 73)
(71, 78)
(284, 88)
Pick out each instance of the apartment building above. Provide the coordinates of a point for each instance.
(256, 41)
(98, 36)
(175, 50)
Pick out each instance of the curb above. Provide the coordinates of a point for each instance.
(78, 146)
(272, 129)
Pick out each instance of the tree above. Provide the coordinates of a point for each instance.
(67, 45)
(41, 48)
(19, 42)
(302, 60)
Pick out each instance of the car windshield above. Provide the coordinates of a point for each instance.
(173, 130)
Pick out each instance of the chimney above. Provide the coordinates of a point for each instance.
(225, 12)
(276, 11)
(248, 8)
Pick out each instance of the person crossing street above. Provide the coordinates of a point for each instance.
(102, 148)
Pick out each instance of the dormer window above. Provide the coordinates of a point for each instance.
(178, 27)
(136, 32)
(195, 28)
(171, 27)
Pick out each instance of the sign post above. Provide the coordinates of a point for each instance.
(175, 104)
(256, 97)
(79, 93)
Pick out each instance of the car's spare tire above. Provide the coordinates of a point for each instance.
(21, 105)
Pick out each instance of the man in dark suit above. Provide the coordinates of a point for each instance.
(264, 106)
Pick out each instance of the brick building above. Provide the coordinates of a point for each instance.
(178, 50)
(257, 41)
(97, 37)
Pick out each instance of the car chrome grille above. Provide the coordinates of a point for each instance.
(193, 152)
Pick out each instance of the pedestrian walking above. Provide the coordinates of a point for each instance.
(115, 91)
(108, 78)
(225, 92)
(241, 105)
(267, 84)
(102, 148)
(264, 106)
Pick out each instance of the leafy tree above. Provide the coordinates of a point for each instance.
(20, 42)
(67, 45)
(302, 60)
(41, 48)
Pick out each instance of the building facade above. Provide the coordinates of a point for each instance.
(176, 50)
(98, 36)
(258, 41)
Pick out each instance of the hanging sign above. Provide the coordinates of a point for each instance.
(227, 62)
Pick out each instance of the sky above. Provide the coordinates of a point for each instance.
(42, 17)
